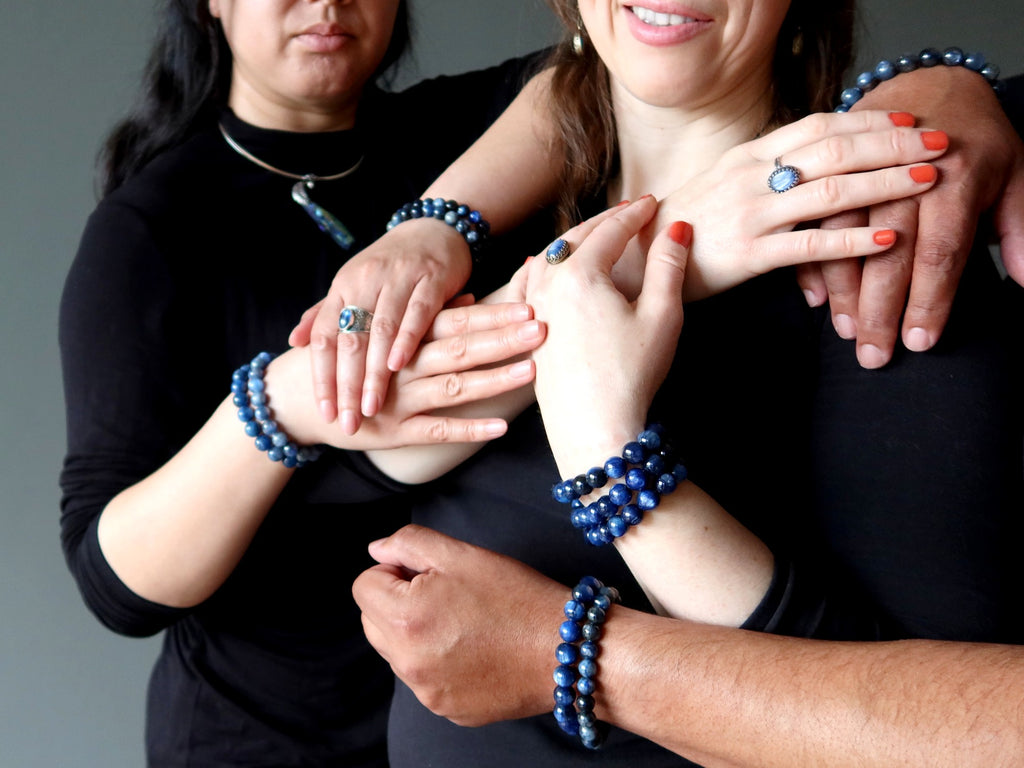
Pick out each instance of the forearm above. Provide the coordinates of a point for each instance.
(748, 699)
(508, 173)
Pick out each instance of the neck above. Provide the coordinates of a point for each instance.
(661, 148)
(295, 116)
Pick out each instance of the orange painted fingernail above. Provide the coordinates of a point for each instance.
(621, 202)
(923, 174)
(902, 119)
(885, 237)
(935, 139)
(527, 261)
(681, 232)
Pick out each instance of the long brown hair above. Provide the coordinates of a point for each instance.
(814, 49)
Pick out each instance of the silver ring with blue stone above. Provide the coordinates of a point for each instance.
(783, 178)
(557, 252)
(354, 320)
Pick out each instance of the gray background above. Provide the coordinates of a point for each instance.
(71, 693)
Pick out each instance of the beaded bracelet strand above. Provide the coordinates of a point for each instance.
(473, 227)
(649, 470)
(929, 57)
(577, 654)
(249, 394)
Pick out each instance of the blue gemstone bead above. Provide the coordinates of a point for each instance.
(597, 477)
(953, 57)
(472, 237)
(606, 507)
(569, 631)
(602, 601)
(575, 610)
(885, 70)
(566, 653)
(866, 81)
(592, 583)
(679, 472)
(636, 479)
(258, 398)
(596, 613)
(655, 464)
(611, 593)
(571, 727)
(591, 631)
(461, 226)
(990, 72)
(268, 424)
(908, 62)
(649, 439)
(245, 413)
(263, 443)
(604, 535)
(632, 514)
(593, 536)
(483, 227)
(263, 359)
(596, 736)
(620, 494)
(587, 668)
(291, 449)
(239, 399)
(587, 720)
(238, 387)
(462, 210)
(841, 108)
(290, 462)
(275, 454)
(564, 676)
(586, 686)
(564, 696)
(252, 428)
(593, 517)
(589, 649)
(580, 485)
(579, 519)
(279, 439)
(585, 703)
(256, 384)
(666, 484)
(450, 217)
(564, 712)
(633, 452)
(648, 499)
(560, 492)
(615, 467)
(929, 57)
(617, 526)
(261, 413)
(475, 216)
(851, 96)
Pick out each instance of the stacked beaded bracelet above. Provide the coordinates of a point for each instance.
(648, 468)
(577, 656)
(249, 393)
(929, 57)
(468, 223)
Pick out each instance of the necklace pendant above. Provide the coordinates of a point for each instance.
(325, 220)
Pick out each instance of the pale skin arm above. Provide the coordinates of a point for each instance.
(720, 696)
(174, 537)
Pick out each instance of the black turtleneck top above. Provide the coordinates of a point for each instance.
(183, 273)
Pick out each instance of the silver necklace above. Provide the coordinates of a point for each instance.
(325, 220)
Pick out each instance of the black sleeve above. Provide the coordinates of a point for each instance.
(123, 412)
(917, 489)
(1013, 101)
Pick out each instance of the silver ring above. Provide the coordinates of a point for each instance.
(783, 178)
(557, 252)
(354, 320)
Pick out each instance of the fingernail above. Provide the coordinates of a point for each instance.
(527, 260)
(621, 202)
(528, 331)
(520, 312)
(871, 356)
(902, 119)
(923, 174)
(521, 370)
(812, 299)
(349, 425)
(918, 340)
(371, 403)
(935, 140)
(495, 428)
(681, 232)
(644, 197)
(845, 326)
(884, 237)
(327, 412)
(396, 360)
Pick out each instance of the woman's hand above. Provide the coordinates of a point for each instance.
(458, 623)
(404, 279)
(743, 229)
(605, 356)
(438, 376)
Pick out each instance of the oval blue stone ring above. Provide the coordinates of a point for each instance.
(354, 320)
(783, 178)
(557, 252)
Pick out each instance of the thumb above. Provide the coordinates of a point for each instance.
(666, 269)
(413, 548)
(1009, 221)
(299, 336)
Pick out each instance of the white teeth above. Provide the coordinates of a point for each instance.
(647, 16)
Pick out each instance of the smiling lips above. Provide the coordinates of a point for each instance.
(664, 23)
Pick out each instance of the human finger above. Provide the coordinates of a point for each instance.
(350, 350)
(299, 336)
(842, 277)
(1009, 223)
(323, 341)
(414, 547)
(788, 248)
(664, 272)
(812, 283)
(605, 242)
(456, 321)
(471, 350)
(392, 303)
(823, 126)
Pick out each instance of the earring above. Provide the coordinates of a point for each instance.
(577, 38)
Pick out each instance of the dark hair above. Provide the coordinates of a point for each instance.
(814, 49)
(185, 86)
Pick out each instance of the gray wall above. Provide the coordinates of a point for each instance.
(71, 694)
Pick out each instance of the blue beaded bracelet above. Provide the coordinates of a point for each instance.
(249, 394)
(577, 654)
(929, 57)
(467, 222)
(648, 468)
